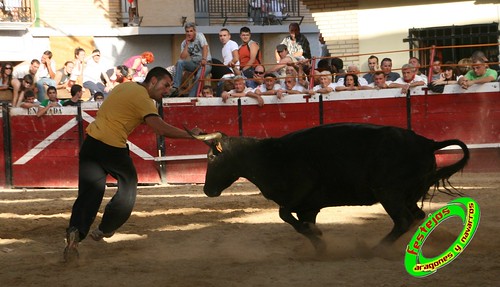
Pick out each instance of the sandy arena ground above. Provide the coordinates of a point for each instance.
(178, 237)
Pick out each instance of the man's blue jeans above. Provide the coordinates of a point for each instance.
(189, 66)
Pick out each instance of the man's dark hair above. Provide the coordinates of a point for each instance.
(338, 64)
(245, 30)
(157, 72)
(78, 50)
(51, 88)
(324, 65)
(385, 59)
(48, 53)
(35, 61)
(75, 89)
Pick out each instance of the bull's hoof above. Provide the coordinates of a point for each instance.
(320, 247)
(419, 214)
(314, 229)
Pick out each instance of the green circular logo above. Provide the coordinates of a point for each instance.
(465, 208)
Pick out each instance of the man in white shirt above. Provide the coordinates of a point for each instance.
(410, 79)
(92, 75)
(45, 74)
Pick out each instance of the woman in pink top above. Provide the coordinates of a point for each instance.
(137, 64)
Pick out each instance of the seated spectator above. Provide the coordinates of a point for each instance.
(291, 87)
(285, 60)
(92, 75)
(379, 81)
(479, 74)
(273, 11)
(240, 90)
(207, 92)
(27, 83)
(45, 74)
(51, 102)
(120, 75)
(326, 86)
(6, 77)
(98, 97)
(137, 65)
(353, 69)
(409, 80)
(63, 76)
(78, 63)
(195, 54)
(386, 67)
(29, 100)
(372, 67)
(76, 96)
(20, 71)
(416, 63)
(249, 55)
(296, 43)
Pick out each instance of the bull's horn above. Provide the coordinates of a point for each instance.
(207, 137)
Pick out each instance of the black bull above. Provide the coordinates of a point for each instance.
(333, 165)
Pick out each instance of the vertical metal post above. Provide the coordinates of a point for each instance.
(320, 109)
(79, 120)
(160, 146)
(431, 60)
(7, 148)
(240, 118)
(408, 110)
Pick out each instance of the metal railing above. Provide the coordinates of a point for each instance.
(256, 12)
(16, 14)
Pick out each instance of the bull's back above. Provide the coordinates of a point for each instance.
(350, 163)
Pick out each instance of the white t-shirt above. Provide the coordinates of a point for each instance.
(227, 52)
(318, 87)
(262, 87)
(93, 71)
(417, 78)
(43, 72)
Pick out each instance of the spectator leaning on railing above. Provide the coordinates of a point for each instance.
(479, 74)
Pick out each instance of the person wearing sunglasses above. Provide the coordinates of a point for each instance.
(6, 77)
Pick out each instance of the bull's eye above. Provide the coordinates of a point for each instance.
(211, 157)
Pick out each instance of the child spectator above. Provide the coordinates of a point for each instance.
(207, 92)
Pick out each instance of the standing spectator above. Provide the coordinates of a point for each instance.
(337, 68)
(51, 102)
(45, 74)
(372, 67)
(479, 74)
(273, 11)
(249, 55)
(105, 152)
(296, 43)
(132, 13)
(137, 65)
(92, 75)
(255, 11)
(63, 76)
(325, 53)
(76, 96)
(195, 53)
(230, 60)
(409, 80)
(436, 69)
(386, 66)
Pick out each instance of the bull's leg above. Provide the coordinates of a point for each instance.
(305, 226)
(403, 218)
(417, 212)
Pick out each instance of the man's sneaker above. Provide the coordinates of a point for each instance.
(98, 235)
(72, 240)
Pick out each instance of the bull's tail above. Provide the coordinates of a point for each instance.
(444, 173)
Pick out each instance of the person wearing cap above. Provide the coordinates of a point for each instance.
(285, 59)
